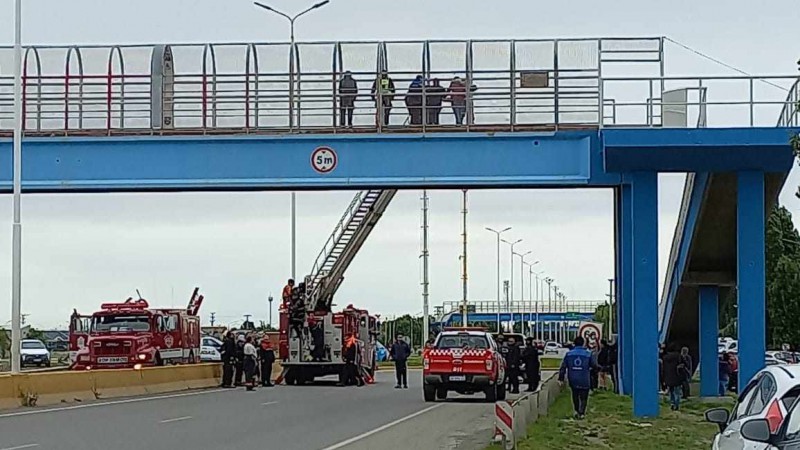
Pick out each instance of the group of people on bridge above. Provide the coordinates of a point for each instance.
(424, 99)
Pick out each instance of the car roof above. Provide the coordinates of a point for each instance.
(787, 375)
(31, 340)
(469, 332)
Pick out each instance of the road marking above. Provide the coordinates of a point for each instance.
(177, 419)
(20, 447)
(268, 403)
(117, 402)
(381, 428)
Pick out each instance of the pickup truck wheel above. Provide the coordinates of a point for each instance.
(501, 391)
(491, 393)
(441, 393)
(429, 392)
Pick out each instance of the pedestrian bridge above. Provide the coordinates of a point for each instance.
(543, 113)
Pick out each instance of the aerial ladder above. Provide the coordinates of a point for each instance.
(348, 236)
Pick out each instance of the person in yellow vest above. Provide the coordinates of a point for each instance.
(383, 95)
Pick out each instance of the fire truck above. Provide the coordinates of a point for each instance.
(133, 335)
(312, 335)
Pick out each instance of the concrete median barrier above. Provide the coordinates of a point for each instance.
(526, 410)
(38, 389)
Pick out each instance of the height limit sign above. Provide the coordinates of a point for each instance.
(324, 159)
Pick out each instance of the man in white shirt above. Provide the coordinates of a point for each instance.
(249, 363)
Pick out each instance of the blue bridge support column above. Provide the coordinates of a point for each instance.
(644, 211)
(624, 287)
(750, 218)
(709, 330)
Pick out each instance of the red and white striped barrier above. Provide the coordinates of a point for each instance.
(504, 423)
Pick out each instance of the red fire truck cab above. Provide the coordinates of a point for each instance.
(465, 361)
(132, 335)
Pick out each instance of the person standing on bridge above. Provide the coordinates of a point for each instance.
(348, 91)
(414, 100)
(400, 352)
(383, 95)
(575, 368)
(530, 356)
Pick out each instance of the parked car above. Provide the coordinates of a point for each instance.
(728, 345)
(757, 433)
(551, 348)
(769, 395)
(209, 350)
(34, 352)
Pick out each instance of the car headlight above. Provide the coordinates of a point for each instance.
(142, 356)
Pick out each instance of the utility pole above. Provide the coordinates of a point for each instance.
(464, 259)
(16, 226)
(270, 300)
(506, 293)
(213, 318)
(425, 254)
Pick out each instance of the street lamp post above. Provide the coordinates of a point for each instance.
(521, 282)
(511, 269)
(549, 282)
(270, 299)
(16, 227)
(498, 233)
(292, 81)
(538, 283)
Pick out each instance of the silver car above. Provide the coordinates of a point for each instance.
(33, 352)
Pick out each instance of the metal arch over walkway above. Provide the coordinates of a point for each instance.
(547, 113)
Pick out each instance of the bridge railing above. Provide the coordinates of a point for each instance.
(490, 306)
(790, 114)
(253, 87)
(249, 87)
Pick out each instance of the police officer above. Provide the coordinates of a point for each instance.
(239, 358)
(228, 353)
(530, 356)
(513, 360)
(400, 352)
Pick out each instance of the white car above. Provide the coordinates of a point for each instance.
(551, 348)
(34, 352)
(758, 431)
(769, 395)
(209, 350)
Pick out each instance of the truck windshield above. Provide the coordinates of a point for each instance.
(462, 341)
(32, 345)
(121, 323)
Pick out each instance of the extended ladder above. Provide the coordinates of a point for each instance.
(348, 236)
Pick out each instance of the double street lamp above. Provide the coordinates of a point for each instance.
(498, 233)
(292, 81)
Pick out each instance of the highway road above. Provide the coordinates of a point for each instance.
(323, 417)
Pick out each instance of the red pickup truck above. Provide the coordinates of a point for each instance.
(465, 362)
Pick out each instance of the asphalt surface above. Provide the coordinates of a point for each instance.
(322, 416)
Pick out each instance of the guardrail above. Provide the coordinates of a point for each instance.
(513, 417)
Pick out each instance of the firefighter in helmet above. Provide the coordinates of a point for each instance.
(351, 375)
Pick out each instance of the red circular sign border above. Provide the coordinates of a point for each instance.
(335, 159)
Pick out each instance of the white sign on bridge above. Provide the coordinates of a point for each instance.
(324, 159)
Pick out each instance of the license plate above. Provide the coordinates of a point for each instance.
(458, 378)
(112, 360)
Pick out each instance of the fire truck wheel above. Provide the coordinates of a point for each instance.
(290, 377)
(429, 392)
(491, 393)
(501, 391)
(441, 393)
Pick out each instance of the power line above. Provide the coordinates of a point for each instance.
(723, 63)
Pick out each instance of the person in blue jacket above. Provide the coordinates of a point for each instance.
(576, 368)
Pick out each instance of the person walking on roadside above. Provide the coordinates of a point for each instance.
(513, 361)
(604, 363)
(400, 352)
(575, 369)
(348, 91)
(686, 359)
(674, 375)
(530, 356)
(228, 353)
(266, 355)
(249, 363)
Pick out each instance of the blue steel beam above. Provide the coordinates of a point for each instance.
(162, 163)
(698, 150)
(752, 323)
(709, 330)
(625, 288)
(644, 212)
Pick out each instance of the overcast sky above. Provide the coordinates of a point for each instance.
(80, 250)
